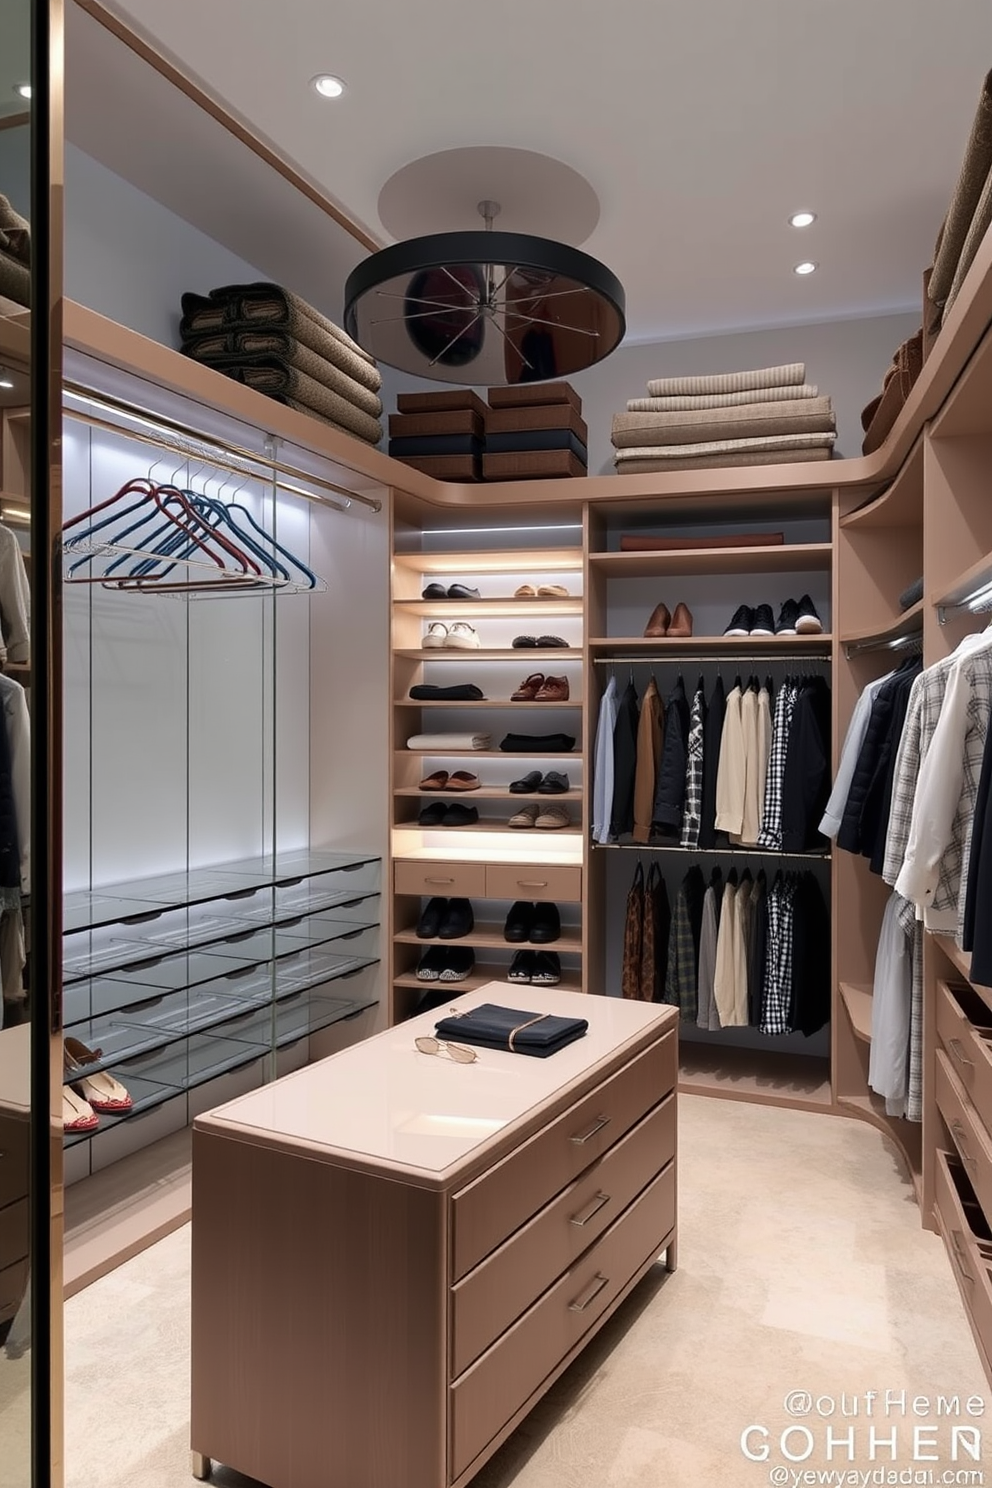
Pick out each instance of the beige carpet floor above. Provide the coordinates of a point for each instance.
(802, 1267)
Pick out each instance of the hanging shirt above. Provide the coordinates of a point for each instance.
(693, 814)
(649, 744)
(624, 763)
(669, 798)
(15, 600)
(771, 823)
(731, 770)
(853, 740)
(892, 991)
(602, 790)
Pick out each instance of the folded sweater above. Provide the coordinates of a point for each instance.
(720, 400)
(757, 420)
(769, 443)
(439, 743)
(789, 375)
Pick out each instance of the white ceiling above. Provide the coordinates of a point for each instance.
(700, 124)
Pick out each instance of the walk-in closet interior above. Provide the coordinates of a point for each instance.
(360, 672)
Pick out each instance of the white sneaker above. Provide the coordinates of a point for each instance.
(462, 637)
(436, 637)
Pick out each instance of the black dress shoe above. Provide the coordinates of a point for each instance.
(554, 783)
(551, 643)
(434, 591)
(459, 963)
(527, 785)
(432, 963)
(518, 922)
(432, 815)
(547, 969)
(546, 924)
(522, 967)
(458, 815)
(458, 921)
(432, 918)
(462, 591)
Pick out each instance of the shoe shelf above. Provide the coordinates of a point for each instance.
(500, 754)
(476, 703)
(717, 646)
(857, 1001)
(489, 936)
(777, 558)
(487, 793)
(909, 623)
(505, 607)
(495, 560)
(571, 981)
(524, 654)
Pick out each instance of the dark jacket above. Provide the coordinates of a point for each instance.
(712, 734)
(878, 798)
(977, 936)
(806, 783)
(849, 836)
(669, 796)
(809, 1009)
(624, 763)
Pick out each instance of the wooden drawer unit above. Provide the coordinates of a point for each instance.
(964, 1027)
(967, 1131)
(505, 1197)
(460, 880)
(560, 882)
(491, 1297)
(503, 1380)
(426, 1244)
(969, 1244)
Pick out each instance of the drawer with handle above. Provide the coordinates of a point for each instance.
(459, 880)
(490, 1298)
(485, 1212)
(560, 882)
(969, 1242)
(964, 1027)
(969, 1135)
(505, 1377)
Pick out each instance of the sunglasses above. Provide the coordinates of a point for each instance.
(458, 1052)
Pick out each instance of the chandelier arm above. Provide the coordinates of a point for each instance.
(445, 349)
(392, 294)
(555, 324)
(515, 349)
(553, 294)
(420, 314)
(463, 288)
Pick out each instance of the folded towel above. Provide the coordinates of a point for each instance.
(493, 1027)
(757, 420)
(439, 743)
(726, 446)
(289, 385)
(720, 462)
(688, 403)
(976, 232)
(15, 233)
(635, 544)
(729, 382)
(537, 743)
(244, 306)
(974, 173)
(241, 348)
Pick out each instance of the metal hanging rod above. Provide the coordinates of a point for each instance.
(718, 852)
(217, 452)
(731, 658)
(911, 642)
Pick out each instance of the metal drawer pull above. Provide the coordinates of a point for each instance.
(439, 880)
(592, 1208)
(532, 883)
(587, 1136)
(960, 1254)
(954, 1045)
(591, 1292)
(961, 1134)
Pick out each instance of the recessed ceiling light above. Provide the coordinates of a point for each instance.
(802, 219)
(327, 86)
(804, 268)
(23, 90)
(6, 381)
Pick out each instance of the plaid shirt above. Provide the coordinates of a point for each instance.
(693, 812)
(777, 989)
(680, 977)
(771, 821)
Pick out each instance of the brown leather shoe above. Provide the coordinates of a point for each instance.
(555, 690)
(681, 621)
(528, 689)
(659, 622)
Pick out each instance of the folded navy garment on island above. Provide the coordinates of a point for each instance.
(494, 1027)
(537, 743)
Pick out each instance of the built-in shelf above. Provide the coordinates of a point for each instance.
(899, 505)
(734, 851)
(490, 703)
(570, 981)
(490, 609)
(976, 577)
(501, 754)
(487, 793)
(494, 824)
(773, 1077)
(497, 560)
(525, 654)
(717, 646)
(966, 412)
(858, 1002)
(490, 937)
(773, 558)
(875, 638)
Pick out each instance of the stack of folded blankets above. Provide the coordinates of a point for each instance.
(535, 430)
(769, 416)
(15, 255)
(442, 434)
(269, 339)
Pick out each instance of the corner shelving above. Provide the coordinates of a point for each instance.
(765, 646)
(909, 625)
(523, 654)
(774, 558)
(858, 1002)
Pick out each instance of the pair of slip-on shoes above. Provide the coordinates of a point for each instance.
(539, 923)
(460, 636)
(540, 968)
(542, 643)
(443, 814)
(457, 780)
(537, 688)
(542, 591)
(453, 591)
(554, 783)
(446, 964)
(549, 817)
(663, 623)
(445, 919)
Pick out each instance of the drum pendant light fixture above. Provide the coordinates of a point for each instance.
(485, 307)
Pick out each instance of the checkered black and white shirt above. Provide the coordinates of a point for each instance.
(693, 811)
(771, 819)
(777, 990)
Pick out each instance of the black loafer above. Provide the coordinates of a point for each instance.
(546, 924)
(459, 963)
(549, 643)
(527, 785)
(547, 969)
(432, 918)
(434, 591)
(554, 783)
(432, 963)
(458, 815)
(518, 922)
(462, 591)
(458, 921)
(432, 815)
(524, 643)
(522, 967)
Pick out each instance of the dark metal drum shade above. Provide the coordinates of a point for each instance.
(485, 308)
